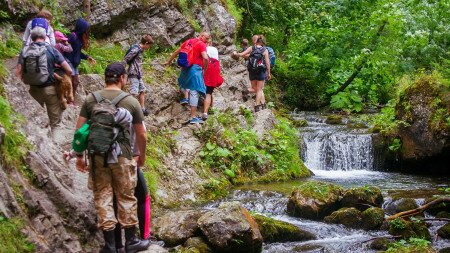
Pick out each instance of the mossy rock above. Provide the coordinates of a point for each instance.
(299, 122)
(409, 229)
(349, 217)
(412, 249)
(372, 218)
(434, 210)
(401, 205)
(314, 200)
(362, 197)
(334, 119)
(443, 215)
(445, 250)
(308, 248)
(444, 231)
(279, 231)
(380, 244)
(197, 245)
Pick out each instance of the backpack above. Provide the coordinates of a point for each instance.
(80, 138)
(272, 56)
(34, 67)
(186, 54)
(256, 61)
(212, 75)
(103, 130)
(128, 51)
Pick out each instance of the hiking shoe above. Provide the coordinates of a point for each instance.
(196, 120)
(145, 112)
(134, 244)
(263, 106)
(184, 101)
(205, 116)
(257, 108)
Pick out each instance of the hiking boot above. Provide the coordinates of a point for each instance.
(257, 108)
(134, 244)
(196, 120)
(110, 242)
(145, 112)
(205, 116)
(263, 106)
(184, 101)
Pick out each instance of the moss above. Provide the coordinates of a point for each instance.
(349, 217)
(320, 191)
(279, 231)
(362, 197)
(334, 119)
(413, 245)
(444, 231)
(372, 218)
(409, 229)
(11, 239)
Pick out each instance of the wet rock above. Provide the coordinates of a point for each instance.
(175, 228)
(155, 248)
(309, 248)
(425, 138)
(230, 228)
(444, 231)
(334, 119)
(443, 214)
(279, 231)
(441, 207)
(314, 200)
(349, 217)
(362, 197)
(380, 244)
(372, 218)
(197, 244)
(400, 205)
(408, 229)
(445, 250)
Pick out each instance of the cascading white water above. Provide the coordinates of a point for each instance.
(335, 147)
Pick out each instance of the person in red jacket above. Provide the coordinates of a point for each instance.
(212, 77)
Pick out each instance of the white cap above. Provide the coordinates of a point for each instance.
(212, 52)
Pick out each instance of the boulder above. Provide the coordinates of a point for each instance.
(408, 229)
(372, 218)
(314, 200)
(197, 244)
(349, 217)
(362, 197)
(443, 214)
(230, 228)
(445, 250)
(434, 210)
(380, 244)
(334, 119)
(279, 231)
(400, 205)
(175, 228)
(444, 231)
(155, 248)
(425, 138)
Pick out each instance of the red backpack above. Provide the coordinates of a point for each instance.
(186, 54)
(212, 75)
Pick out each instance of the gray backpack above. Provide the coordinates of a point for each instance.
(34, 68)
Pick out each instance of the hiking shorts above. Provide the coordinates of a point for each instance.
(257, 75)
(136, 86)
(209, 90)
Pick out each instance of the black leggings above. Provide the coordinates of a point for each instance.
(143, 210)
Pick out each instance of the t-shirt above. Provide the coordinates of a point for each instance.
(53, 56)
(197, 51)
(130, 103)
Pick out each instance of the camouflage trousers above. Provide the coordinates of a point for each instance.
(119, 180)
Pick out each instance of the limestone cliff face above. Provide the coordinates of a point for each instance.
(59, 210)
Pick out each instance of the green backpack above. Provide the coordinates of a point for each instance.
(80, 138)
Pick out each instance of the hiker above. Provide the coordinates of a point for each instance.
(193, 60)
(114, 174)
(49, 38)
(244, 45)
(212, 77)
(36, 67)
(133, 58)
(258, 68)
(78, 39)
(62, 43)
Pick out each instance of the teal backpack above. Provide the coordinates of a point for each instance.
(80, 138)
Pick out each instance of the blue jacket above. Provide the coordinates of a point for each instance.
(75, 41)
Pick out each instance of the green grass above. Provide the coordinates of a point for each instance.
(318, 190)
(11, 239)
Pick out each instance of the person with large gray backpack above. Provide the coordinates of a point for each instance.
(36, 68)
(112, 169)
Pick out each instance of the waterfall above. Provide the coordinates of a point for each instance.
(335, 147)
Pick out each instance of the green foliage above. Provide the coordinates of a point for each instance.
(321, 44)
(11, 239)
(186, 7)
(318, 190)
(238, 154)
(104, 54)
(410, 246)
(396, 144)
(398, 224)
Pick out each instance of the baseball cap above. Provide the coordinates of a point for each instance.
(60, 35)
(115, 69)
(41, 22)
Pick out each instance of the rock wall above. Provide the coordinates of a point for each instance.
(62, 216)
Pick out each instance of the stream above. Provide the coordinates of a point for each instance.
(344, 156)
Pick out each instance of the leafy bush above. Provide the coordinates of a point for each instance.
(11, 239)
(410, 246)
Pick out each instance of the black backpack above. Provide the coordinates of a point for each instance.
(256, 61)
(103, 129)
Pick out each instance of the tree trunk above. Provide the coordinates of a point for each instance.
(87, 9)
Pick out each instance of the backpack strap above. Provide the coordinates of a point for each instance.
(119, 98)
(97, 96)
